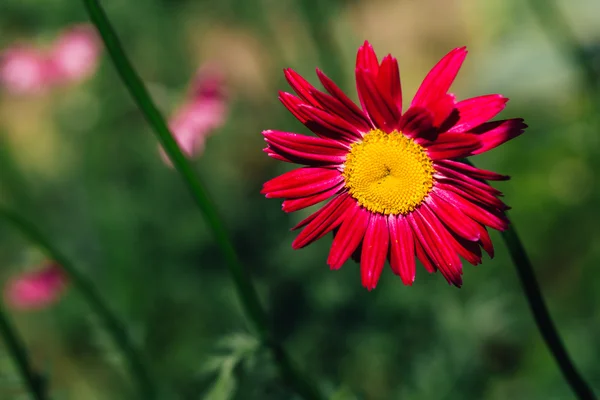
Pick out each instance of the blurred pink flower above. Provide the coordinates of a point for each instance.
(203, 111)
(24, 70)
(38, 289)
(74, 55)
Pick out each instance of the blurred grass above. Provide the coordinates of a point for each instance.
(93, 176)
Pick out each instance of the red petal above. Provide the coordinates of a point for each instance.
(305, 149)
(493, 134)
(442, 108)
(292, 205)
(476, 197)
(453, 145)
(422, 255)
(316, 124)
(276, 156)
(486, 242)
(341, 128)
(434, 238)
(388, 81)
(366, 59)
(477, 110)
(440, 78)
(348, 237)
(302, 182)
(479, 214)
(454, 218)
(323, 221)
(402, 249)
(468, 250)
(337, 93)
(374, 250)
(417, 122)
(377, 105)
(337, 108)
(301, 86)
(457, 176)
(473, 172)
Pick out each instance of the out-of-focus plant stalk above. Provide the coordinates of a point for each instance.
(542, 316)
(245, 289)
(561, 35)
(317, 14)
(80, 282)
(16, 349)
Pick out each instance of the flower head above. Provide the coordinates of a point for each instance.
(38, 289)
(202, 112)
(395, 182)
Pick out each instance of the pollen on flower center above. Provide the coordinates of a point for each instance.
(388, 173)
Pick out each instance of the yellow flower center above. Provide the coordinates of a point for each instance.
(388, 173)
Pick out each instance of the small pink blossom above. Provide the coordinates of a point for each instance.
(35, 290)
(203, 111)
(24, 70)
(29, 70)
(74, 55)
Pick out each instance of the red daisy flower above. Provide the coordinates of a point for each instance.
(396, 185)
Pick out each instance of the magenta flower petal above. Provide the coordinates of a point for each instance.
(306, 149)
(302, 182)
(376, 104)
(374, 250)
(323, 221)
(34, 290)
(402, 249)
(337, 93)
(203, 111)
(348, 237)
(295, 204)
(493, 134)
(388, 82)
(477, 110)
(472, 172)
(438, 80)
(453, 145)
(397, 187)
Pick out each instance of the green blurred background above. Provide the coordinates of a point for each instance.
(83, 164)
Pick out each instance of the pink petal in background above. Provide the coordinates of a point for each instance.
(35, 290)
(29, 70)
(24, 70)
(203, 111)
(75, 54)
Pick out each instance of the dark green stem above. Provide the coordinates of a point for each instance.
(87, 290)
(246, 292)
(542, 315)
(15, 347)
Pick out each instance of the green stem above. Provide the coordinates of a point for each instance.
(15, 347)
(541, 314)
(87, 290)
(246, 292)
(317, 17)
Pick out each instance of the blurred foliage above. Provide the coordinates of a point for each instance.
(82, 162)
